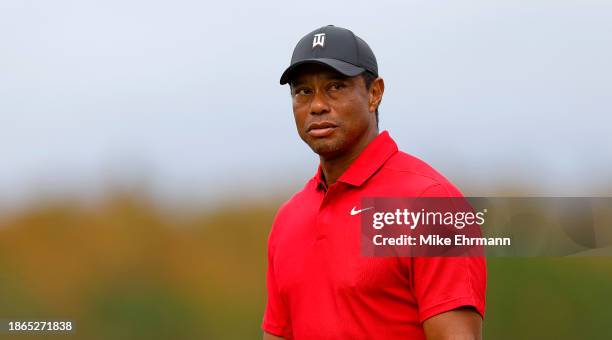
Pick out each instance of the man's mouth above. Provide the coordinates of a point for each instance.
(322, 129)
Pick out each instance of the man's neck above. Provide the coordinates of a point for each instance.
(334, 168)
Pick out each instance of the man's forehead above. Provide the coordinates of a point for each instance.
(308, 71)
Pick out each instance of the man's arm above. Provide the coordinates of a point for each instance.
(268, 336)
(458, 324)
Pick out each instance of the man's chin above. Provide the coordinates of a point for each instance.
(326, 148)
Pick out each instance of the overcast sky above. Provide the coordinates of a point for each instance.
(184, 95)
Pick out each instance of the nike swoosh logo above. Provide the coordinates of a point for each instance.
(354, 211)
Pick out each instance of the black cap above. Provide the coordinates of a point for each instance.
(335, 47)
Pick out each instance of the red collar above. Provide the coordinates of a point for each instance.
(366, 164)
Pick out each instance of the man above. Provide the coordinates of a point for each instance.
(319, 286)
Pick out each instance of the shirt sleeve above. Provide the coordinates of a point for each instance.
(276, 315)
(441, 284)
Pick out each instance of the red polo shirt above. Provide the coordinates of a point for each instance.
(320, 287)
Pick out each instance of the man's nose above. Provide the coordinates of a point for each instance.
(319, 104)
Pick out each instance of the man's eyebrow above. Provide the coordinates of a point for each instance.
(336, 76)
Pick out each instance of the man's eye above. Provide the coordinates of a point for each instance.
(302, 92)
(336, 86)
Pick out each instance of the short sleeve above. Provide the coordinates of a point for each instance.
(441, 284)
(276, 316)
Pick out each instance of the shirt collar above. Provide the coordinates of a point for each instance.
(366, 164)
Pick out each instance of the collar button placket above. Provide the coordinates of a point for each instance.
(321, 221)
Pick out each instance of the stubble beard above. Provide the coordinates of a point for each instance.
(327, 148)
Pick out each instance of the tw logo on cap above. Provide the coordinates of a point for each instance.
(318, 40)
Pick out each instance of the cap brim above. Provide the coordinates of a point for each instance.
(343, 67)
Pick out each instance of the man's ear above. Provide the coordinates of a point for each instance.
(376, 93)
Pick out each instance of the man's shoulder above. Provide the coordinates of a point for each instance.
(404, 163)
(298, 199)
(412, 176)
(292, 213)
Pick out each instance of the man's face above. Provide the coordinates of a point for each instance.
(332, 112)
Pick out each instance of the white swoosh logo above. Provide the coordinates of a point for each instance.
(354, 211)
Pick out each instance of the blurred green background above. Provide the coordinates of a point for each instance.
(123, 267)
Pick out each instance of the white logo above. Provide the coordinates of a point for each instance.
(319, 39)
(355, 212)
